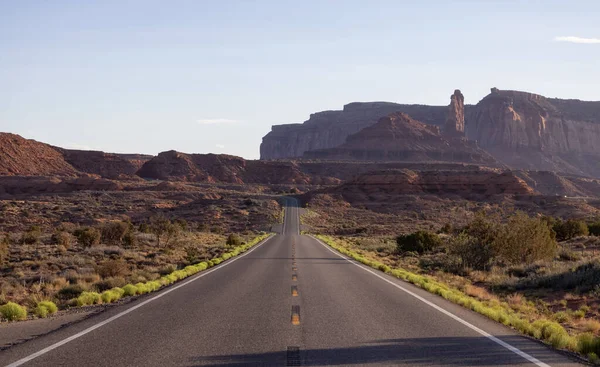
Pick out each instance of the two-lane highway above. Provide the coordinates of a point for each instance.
(289, 301)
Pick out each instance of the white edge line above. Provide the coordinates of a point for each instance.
(447, 313)
(131, 309)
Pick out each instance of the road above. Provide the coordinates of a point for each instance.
(289, 301)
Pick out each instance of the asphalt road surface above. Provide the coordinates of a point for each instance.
(290, 301)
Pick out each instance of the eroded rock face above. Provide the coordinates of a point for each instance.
(398, 137)
(529, 131)
(455, 120)
(392, 183)
(329, 129)
(109, 165)
(25, 157)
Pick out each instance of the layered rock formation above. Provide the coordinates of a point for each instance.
(221, 168)
(392, 184)
(455, 120)
(398, 137)
(109, 165)
(529, 131)
(25, 157)
(329, 129)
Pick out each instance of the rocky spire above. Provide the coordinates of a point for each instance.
(455, 119)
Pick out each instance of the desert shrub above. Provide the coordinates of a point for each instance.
(108, 283)
(447, 228)
(594, 229)
(234, 240)
(62, 238)
(111, 295)
(181, 223)
(32, 235)
(113, 268)
(524, 239)
(583, 278)
(470, 251)
(570, 229)
(13, 312)
(45, 308)
(113, 232)
(130, 290)
(69, 292)
(4, 249)
(129, 240)
(159, 225)
(485, 229)
(192, 254)
(89, 298)
(420, 242)
(87, 236)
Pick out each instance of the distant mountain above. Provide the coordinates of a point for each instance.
(398, 137)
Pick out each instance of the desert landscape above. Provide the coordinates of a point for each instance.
(498, 200)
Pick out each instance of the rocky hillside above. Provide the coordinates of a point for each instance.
(221, 168)
(398, 137)
(329, 129)
(391, 185)
(529, 131)
(25, 157)
(109, 165)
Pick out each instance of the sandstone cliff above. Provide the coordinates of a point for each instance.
(529, 131)
(329, 129)
(398, 137)
(455, 120)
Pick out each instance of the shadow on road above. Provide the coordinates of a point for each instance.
(453, 351)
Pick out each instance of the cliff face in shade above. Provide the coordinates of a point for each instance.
(221, 168)
(109, 165)
(398, 137)
(329, 129)
(455, 120)
(389, 185)
(529, 131)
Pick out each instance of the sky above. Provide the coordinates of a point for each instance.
(213, 76)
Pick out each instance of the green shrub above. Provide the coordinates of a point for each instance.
(525, 239)
(420, 242)
(570, 229)
(112, 295)
(87, 236)
(130, 290)
(49, 305)
(40, 311)
(13, 312)
(89, 298)
(472, 253)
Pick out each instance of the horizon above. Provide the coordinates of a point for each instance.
(214, 78)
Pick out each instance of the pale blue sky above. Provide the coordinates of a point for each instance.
(141, 76)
